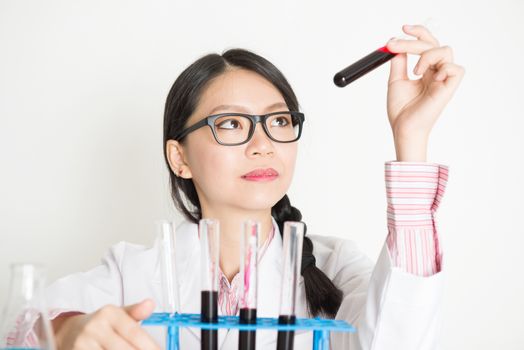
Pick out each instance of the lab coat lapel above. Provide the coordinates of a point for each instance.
(270, 278)
(269, 281)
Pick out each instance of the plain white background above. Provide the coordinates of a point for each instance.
(82, 91)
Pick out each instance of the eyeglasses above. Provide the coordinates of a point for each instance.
(232, 129)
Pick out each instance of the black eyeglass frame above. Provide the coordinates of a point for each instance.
(210, 121)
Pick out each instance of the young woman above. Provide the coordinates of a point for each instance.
(231, 128)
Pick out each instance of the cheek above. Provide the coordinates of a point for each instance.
(217, 172)
(289, 156)
(211, 167)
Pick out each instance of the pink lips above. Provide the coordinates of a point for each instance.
(261, 175)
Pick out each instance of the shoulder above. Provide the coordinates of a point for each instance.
(122, 252)
(331, 246)
(327, 244)
(335, 256)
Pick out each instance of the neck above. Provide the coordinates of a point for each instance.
(231, 221)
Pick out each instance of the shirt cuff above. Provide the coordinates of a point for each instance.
(25, 332)
(414, 191)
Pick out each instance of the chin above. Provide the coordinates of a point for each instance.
(261, 201)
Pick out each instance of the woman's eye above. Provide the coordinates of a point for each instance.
(280, 121)
(229, 124)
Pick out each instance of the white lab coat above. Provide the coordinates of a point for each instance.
(391, 309)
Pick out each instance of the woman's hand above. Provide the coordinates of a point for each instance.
(110, 327)
(414, 105)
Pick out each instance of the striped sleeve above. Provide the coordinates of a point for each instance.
(414, 191)
(27, 328)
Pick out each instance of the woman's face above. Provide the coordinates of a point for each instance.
(219, 172)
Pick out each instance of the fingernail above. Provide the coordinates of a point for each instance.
(407, 26)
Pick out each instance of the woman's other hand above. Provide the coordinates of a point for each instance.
(110, 327)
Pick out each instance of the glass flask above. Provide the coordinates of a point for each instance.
(24, 323)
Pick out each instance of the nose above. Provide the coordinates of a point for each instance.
(260, 143)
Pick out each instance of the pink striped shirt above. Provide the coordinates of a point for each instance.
(414, 191)
(228, 294)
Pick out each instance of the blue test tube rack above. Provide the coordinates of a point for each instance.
(321, 327)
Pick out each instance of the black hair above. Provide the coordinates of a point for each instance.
(323, 297)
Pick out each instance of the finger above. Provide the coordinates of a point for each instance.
(140, 311)
(398, 68)
(433, 57)
(408, 46)
(99, 334)
(114, 341)
(451, 74)
(135, 335)
(123, 321)
(421, 33)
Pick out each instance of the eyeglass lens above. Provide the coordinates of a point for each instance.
(231, 129)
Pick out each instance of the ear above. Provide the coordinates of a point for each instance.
(175, 156)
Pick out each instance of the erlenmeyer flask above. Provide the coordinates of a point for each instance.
(25, 323)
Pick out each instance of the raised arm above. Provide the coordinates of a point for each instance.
(402, 305)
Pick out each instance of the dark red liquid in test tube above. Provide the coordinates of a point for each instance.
(249, 282)
(209, 234)
(292, 259)
(209, 314)
(247, 339)
(363, 66)
(286, 339)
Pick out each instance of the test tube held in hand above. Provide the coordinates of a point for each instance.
(248, 273)
(292, 260)
(166, 239)
(209, 232)
(363, 66)
(372, 60)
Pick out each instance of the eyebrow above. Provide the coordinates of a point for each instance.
(244, 109)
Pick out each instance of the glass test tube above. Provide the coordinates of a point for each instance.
(166, 238)
(292, 260)
(370, 62)
(248, 273)
(209, 231)
(363, 66)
